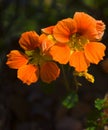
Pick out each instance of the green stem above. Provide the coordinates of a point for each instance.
(65, 79)
(77, 84)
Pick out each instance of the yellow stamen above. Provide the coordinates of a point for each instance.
(77, 42)
(36, 57)
(88, 76)
(50, 37)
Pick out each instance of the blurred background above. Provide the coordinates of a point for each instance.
(38, 107)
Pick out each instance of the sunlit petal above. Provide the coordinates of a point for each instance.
(79, 61)
(48, 30)
(16, 59)
(28, 74)
(29, 40)
(60, 53)
(46, 42)
(94, 51)
(100, 27)
(86, 25)
(64, 29)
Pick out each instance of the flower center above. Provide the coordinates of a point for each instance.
(36, 57)
(77, 42)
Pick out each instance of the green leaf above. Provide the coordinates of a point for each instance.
(99, 103)
(70, 100)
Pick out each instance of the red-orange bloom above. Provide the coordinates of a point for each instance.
(79, 38)
(34, 62)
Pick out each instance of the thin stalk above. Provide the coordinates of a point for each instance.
(77, 84)
(65, 79)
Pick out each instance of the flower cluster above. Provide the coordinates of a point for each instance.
(33, 62)
(72, 40)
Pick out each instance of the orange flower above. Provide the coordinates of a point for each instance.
(33, 62)
(77, 40)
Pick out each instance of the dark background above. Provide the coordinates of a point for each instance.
(38, 106)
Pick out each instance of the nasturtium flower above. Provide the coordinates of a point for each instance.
(77, 41)
(33, 62)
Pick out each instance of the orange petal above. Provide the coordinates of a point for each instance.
(100, 27)
(94, 51)
(46, 41)
(60, 53)
(48, 30)
(29, 40)
(79, 61)
(64, 29)
(86, 25)
(49, 71)
(42, 37)
(16, 59)
(28, 74)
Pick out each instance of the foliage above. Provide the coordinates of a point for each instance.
(99, 103)
(70, 100)
(101, 118)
